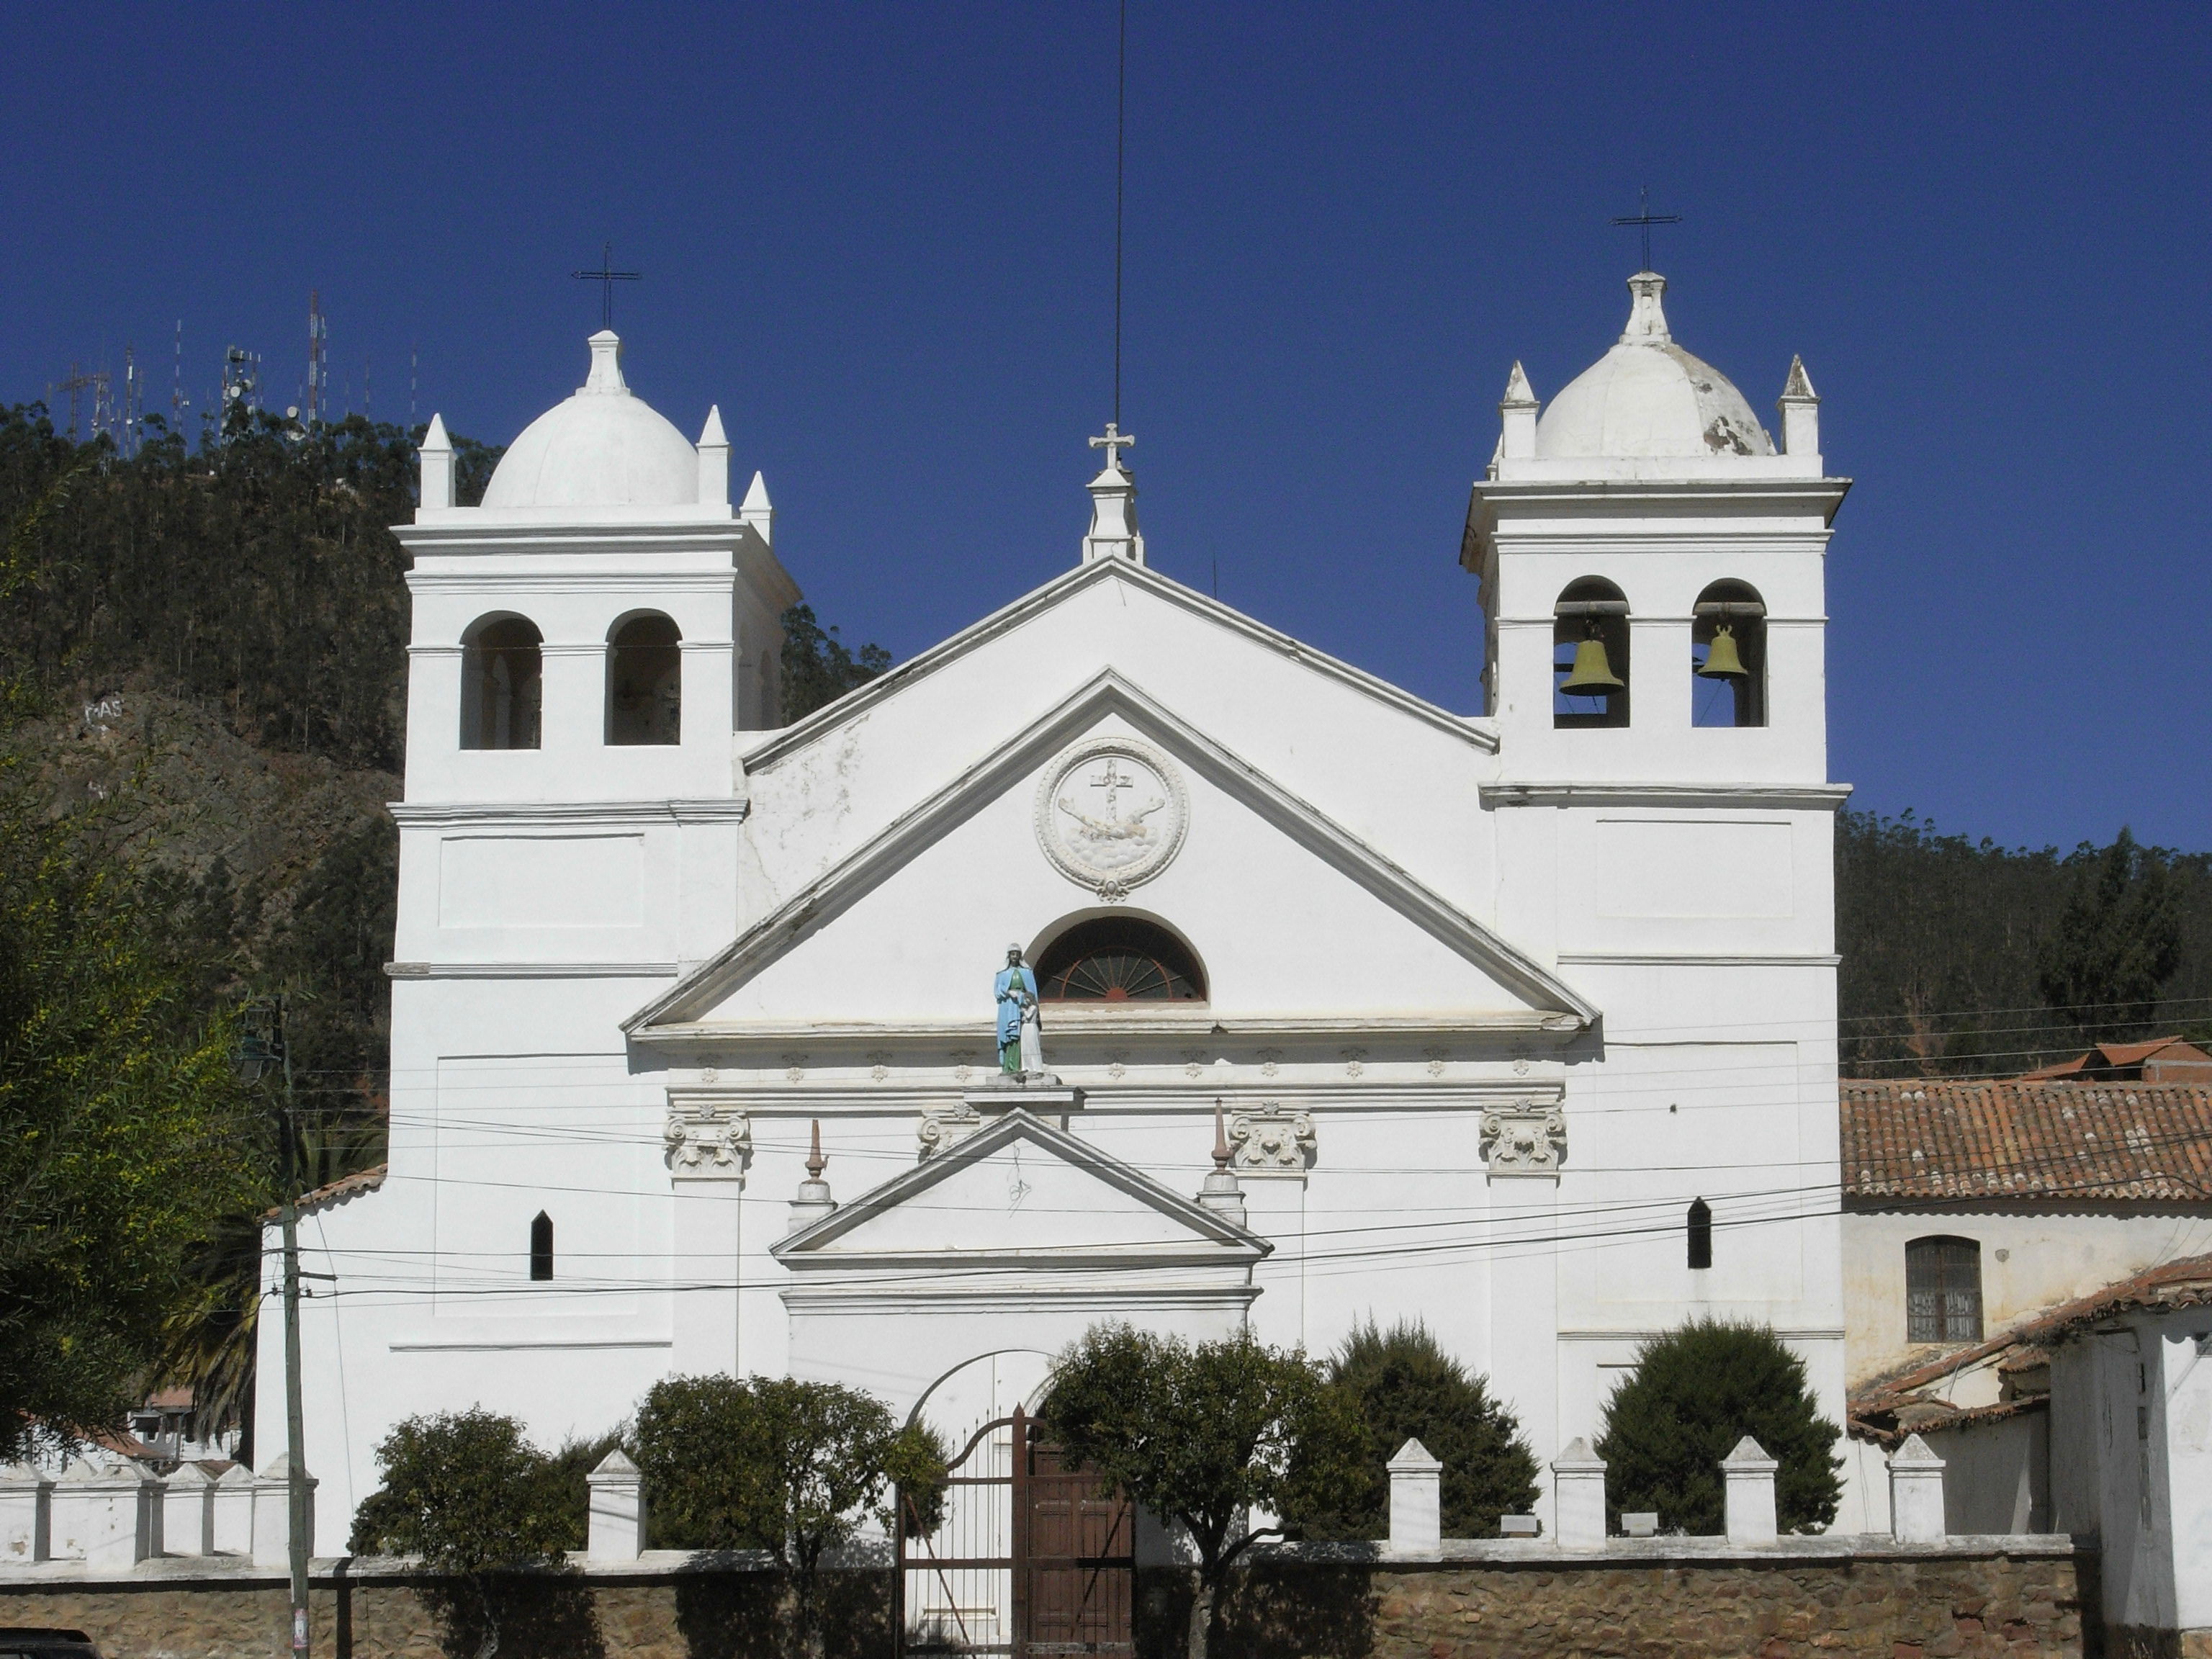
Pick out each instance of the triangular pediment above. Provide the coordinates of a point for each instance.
(1019, 1191)
(1297, 918)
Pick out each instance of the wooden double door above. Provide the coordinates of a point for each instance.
(1032, 1557)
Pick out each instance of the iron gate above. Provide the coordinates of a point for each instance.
(1030, 1558)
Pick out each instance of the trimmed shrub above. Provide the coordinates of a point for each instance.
(1400, 1385)
(1697, 1391)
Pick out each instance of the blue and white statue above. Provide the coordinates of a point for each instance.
(1021, 1050)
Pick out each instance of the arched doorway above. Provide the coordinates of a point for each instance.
(1031, 1556)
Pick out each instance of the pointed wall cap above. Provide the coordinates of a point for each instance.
(81, 1473)
(606, 375)
(1749, 1455)
(1519, 394)
(756, 496)
(613, 1466)
(278, 1467)
(1647, 316)
(1577, 1455)
(22, 1474)
(236, 1475)
(711, 436)
(435, 437)
(1798, 388)
(1413, 1458)
(1914, 1454)
(193, 1474)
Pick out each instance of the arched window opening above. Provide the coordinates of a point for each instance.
(644, 681)
(1589, 656)
(1727, 656)
(541, 1247)
(1119, 959)
(1701, 1234)
(1943, 1289)
(502, 664)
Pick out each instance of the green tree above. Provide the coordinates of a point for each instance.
(2117, 943)
(466, 1494)
(781, 1465)
(1698, 1389)
(1400, 1385)
(817, 668)
(1199, 1433)
(128, 1135)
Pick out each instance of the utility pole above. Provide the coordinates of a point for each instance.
(265, 1045)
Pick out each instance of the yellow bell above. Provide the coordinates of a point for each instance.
(1592, 675)
(1721, 661)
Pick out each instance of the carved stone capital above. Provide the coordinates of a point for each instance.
(708, 1142)
(1524, 1139)
(1272, 1140)
(945, 1126)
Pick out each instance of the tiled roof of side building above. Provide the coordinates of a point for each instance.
(2022, 1140)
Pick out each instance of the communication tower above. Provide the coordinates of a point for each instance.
(241, 384)
(318, 400)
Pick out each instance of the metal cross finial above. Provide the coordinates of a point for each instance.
(1644, 218)
(606, 276)
(1113, 443)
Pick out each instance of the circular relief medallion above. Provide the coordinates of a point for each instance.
(1110, 813)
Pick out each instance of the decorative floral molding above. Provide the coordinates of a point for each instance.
(1526, 1139)
(708, 1142)
(1272, 1140)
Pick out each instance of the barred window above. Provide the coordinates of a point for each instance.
(1942, 1291)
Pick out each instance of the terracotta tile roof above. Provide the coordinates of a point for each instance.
(2017, 1139)
(337, 1192)
(2120, 1057)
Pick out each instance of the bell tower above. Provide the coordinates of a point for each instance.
(1651, 567)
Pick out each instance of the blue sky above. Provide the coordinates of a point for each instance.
(880, 238)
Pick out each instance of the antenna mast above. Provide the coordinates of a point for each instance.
(1121, 136)
(318, 369)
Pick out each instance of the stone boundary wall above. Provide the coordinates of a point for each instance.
(1968, 1598)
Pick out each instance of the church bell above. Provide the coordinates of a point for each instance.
(1592, 675)
(1722, 660)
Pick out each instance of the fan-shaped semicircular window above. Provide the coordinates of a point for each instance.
(1119, 959)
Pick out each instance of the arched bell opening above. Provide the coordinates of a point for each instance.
(502, 669)
(1727, 656)
(644, 681)
(1119, 957)
(1589, 655)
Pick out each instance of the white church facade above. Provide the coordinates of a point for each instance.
(1519, 1023)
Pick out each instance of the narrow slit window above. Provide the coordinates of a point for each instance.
(1701, 1234)
(541, 1247)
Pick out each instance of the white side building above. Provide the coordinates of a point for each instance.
(1520, 1023)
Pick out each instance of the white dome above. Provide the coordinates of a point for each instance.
(1648, 396)
(602, 447)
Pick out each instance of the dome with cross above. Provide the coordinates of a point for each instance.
(604, 446)
(1649, 397)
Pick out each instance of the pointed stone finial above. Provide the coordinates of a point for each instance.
(756, 511)
(714, 460)
(1517, 409)
(606, 375)
(1647, 317)
(616, 1530)
(1220, 1192)
(1800, 409)
(1748, 1500)
(1416, 1502)
(1578, 1496)
(813, 1201)
(1916, 1493)
(437, 453)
